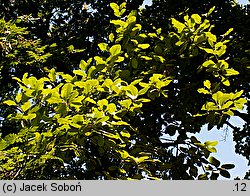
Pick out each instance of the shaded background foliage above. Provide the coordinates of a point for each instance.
(75, 25)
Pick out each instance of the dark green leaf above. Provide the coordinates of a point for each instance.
(214, 161)
(228, 166)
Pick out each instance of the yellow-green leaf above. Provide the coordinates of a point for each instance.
(115, 50)
(25, 106)
(203, 91)
(143, 46)
(103, 46)
(10, 103)
(231, 72)
(228, 32)
(67, 89)
(211, 143)
(207, 84)
(125, 133)
(196, 18)
(178, 25)
(111, 37)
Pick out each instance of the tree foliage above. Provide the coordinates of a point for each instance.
(127, 105)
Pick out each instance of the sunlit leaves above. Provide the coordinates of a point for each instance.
(118, 10)
(10, 103)
(132, 91)
(178, 25)
(207, 84)
(214, 161)
(25, 106)
(228, 32)
(115, 7)
(143, 46)
(125, 134)
(66, 90)
(89, 113)
(103, 46)
(196, 18)
(115, 50)
(231, 72)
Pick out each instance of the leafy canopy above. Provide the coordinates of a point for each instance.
(84, 120)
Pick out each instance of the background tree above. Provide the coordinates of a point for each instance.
(67, 25)
(226, 15)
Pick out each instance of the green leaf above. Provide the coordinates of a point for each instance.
(239, 103)
(180, 26)
(208, 63)
(111, 108)
(19, 97)
(143, 100)
(111, 37)
(204, 91)
(123, 171)
(124, 74)
(100, 141)
(66, 91)
(208, 50)
(207, 84)
(102, 103)
(231, 72)
(214, 161)
(152, 35)
(125, 133)
(80, 84)
(83, 65)
(131, 20)
(159, 58)
(143, 46)
(212, 149)
(134, 63)
(214, 175)
(115, 50)
(112, 168)
(209, 106)
(124, 154)
(211, 10)
(211, 143)
(25, 106)
(147, 58)
(103, 46)
(202, 177)
(126, 103)
(3, 144)
(220, 48)
(99, 60)
(88, 99)
(88, 134)
(228, 166)
(141, 159)
(196, 18)
(225, 173)
(116, 9)
(132, 91)
(29, 116)
(80, 73)
(228, 32)
(199, 144)
(211, 36)
(118, 123)
(52, 75)
(226, 82)
(10, 103)
(144, 90)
